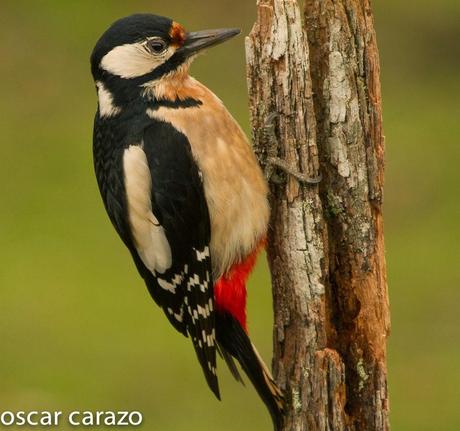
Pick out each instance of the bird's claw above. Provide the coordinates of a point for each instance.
(273, 161)
(299, 176)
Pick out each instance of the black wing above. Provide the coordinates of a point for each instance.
(185, 290)
(179, 204)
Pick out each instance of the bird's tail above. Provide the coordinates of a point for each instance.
(234, 343)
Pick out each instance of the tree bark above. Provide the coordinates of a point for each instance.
(325, 245)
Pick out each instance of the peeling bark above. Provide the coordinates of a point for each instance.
(325, 245)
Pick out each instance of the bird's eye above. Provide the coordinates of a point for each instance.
(157, 46)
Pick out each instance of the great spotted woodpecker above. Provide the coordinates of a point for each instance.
(182, 188)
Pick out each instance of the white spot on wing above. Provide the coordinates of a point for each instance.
(180, 316)
(149, 236)
(195, 281)
(170, 287)
(203, 311)
(202, 255)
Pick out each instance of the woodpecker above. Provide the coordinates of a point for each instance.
(182, 188)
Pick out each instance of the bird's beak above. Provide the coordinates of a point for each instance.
(199, 40)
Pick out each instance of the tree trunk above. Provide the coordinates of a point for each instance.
(325, 245)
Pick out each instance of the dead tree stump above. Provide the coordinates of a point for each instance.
(325, 246)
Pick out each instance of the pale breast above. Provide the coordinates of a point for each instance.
(235, 188)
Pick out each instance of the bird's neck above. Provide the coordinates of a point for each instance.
(177, 85)
(116, 94)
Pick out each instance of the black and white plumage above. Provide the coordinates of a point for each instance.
(166, 177)
(182, 188)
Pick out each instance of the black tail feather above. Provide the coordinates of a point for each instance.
(234, 341)
(232, 366)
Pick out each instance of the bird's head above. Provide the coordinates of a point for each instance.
(142, 48)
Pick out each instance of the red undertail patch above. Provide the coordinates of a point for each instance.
(230, 289)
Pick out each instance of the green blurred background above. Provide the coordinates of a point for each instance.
(77, 328)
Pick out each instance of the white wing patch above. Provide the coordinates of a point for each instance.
(202, 255)
(171, 285)
(149, 236)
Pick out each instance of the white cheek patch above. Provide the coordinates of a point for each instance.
(133, 60)
(106, 105)
(149, 236)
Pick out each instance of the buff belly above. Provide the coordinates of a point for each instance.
(234, 185)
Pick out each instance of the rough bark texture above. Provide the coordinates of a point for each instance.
(325, 245)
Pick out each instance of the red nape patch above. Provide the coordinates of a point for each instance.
(177, 34)
(230, 289)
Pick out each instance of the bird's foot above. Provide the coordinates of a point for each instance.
(273, 162)
(299, 176)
